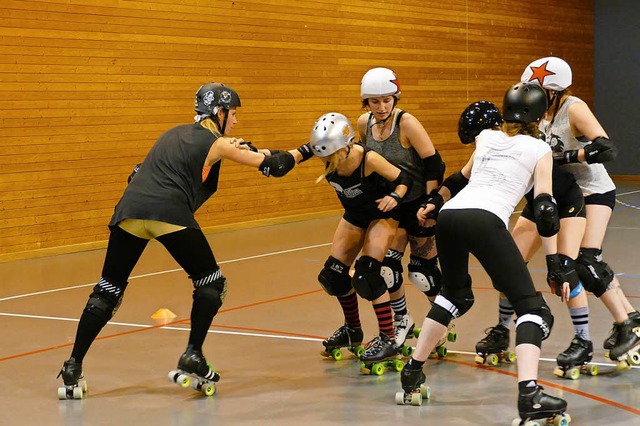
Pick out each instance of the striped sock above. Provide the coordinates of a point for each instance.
(349, 306)
(399, 306)
(506, 313)
(580, 319)
(385, 319)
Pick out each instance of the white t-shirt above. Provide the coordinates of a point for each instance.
(502, 173)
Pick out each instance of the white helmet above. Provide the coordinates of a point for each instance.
(331, 133)
(551, 73)
(379, 82)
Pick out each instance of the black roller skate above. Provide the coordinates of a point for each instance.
(493, 348)
(193, 369)
(574, 360)
(539, 409)
(611, 340)
(414, 387)
(380, 353)
(404, 328)
(627, 348)
(344, 337)
(440, 351)
(73, 388)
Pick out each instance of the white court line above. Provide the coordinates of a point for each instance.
(628, 193)
(240, 259)
(240, 333)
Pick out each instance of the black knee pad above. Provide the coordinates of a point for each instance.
(367, 281)
(211, 287)
(440, 314)
(596, 275)
(425, 275)
(532, 310)
(334, 277)
(457, 302)
(392, 270)
(105, 299)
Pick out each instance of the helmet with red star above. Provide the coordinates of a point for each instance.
(551, 73)
(379, 82)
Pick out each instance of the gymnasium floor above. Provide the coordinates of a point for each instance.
(266, 342)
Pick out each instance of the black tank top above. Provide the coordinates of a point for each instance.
(168, 187)
(358, 191)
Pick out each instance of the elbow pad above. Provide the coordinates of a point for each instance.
(545, 212)
(455, 183)
(403, 179)
(277, 165)
(434, 167)
(600, 150)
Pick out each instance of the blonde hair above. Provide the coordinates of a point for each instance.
(210, 125)
(333, 161)
(513, 129)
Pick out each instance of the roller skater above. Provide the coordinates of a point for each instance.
(575, 358)
(413, 386)
(627, 348)
(537, 408)
(343, 337)
(193, 366)
(611, 340)
(404, 328)
(493, 348)
(381, 353)
(71, 374)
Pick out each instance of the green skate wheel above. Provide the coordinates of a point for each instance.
(592, 370)
(183, 381)
(442, 351)
(416, 332)
(492, 360)
(573, 373)
(407, 350)
(209, 389)
(377, 369)
(634, 358)
(510, 357)
(336, 354)
(452, 336)
(359, 351)
(398, 365)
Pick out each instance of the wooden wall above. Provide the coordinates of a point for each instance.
(87, 86)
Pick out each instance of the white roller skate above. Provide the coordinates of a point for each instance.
(404, 328)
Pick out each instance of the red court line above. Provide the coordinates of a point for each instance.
(552, 385)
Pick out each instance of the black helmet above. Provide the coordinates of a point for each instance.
(477, 117)
(524, 103)
(212, 96)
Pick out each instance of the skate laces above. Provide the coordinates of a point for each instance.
(493, 335)
(374, 345)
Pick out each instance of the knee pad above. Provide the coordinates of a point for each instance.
(425, 275)
(596, 275)
(211, 287)
(105, 299)
(392, 270)
(334, 277)
(457, 302)
(367, 281)
(532, 311)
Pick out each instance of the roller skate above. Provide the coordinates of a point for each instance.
(73, 388)
(611, 340)
(574, 360)
(404, 328)
(627, 348)
(344, 337)
(539, 409)
(380, 353)
(414, 387)
(193, 369)
(493, 348)
(440, 351)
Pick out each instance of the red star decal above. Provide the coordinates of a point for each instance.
(539, 73)
(396, 83)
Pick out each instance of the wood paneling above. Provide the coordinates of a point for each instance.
(86, 87)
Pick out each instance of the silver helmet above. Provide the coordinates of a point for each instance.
(331, 133)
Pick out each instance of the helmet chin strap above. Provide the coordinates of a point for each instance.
(383, 122)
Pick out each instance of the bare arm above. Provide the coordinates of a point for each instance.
(362, 126)
(374, 162)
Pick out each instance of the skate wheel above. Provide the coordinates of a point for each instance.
(416, 332)
(398, 365)
(359, 351)
(377, 369)
(77, 393)
(573, 374)
(407, 350)
(561, 420)
(416, 398)
(425, 391)
(479, 360)
(83, 385)
(592, 370)
(558, 372)
(510, 357)
(442, 351)
(336, 354)
(62, 393)
(623, 366)
(209, 389)
(492, 360)
(400, 398)
(183, 380)
(452, 336)
(634, 358)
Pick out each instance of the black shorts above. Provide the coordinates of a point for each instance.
(362, 218)
(409, 221)
(607, 199)
(566, 208)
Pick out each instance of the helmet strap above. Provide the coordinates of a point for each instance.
(224, 122)
(383, 122)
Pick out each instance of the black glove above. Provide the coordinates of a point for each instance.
(306, 151)
(252, 148)
(436, 199)
(561, 269)
(566, 157)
